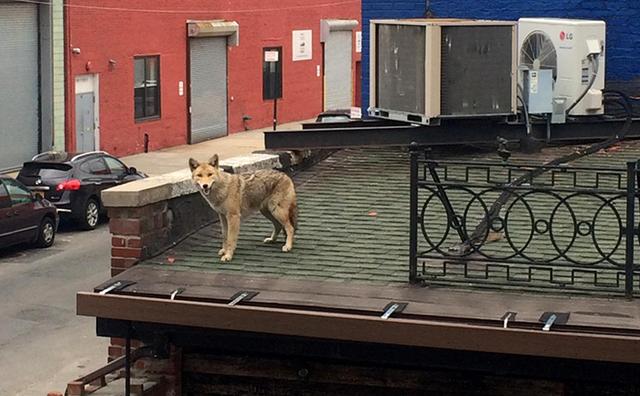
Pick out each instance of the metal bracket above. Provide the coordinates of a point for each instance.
(553, 318)
(242, 296)
(509, 315)
(391, 308)
(174, 293)
(116, 286)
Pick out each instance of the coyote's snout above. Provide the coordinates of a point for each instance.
(236, 196)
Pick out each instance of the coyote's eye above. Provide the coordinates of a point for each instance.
(210, 174)
(199, 174)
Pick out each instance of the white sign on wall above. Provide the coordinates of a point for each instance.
(302, 45)
(358, 42)
(271, 56)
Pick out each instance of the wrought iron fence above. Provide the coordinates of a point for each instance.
(524, 225)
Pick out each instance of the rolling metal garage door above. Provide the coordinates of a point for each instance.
(208, 88)
(18, 83)
(338, 73)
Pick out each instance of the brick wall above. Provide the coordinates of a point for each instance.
(133, 230)
(141, 232)
(147, 27)
(622, 18)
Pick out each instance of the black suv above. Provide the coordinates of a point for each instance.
(75, 180)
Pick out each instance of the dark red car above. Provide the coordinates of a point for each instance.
(25, 217)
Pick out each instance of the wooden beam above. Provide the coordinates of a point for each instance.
(314, 373)
(363, 328)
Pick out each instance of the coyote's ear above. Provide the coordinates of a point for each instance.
(213, 161)
(193, 164)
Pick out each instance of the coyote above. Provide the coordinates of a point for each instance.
(236, 196)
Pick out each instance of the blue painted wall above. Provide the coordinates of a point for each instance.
(622, 18)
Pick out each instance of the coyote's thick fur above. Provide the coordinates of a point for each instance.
(236, 196)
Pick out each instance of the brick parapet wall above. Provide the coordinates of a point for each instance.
(136, 232)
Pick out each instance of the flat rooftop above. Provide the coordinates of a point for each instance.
(354, 219)
(351, 257)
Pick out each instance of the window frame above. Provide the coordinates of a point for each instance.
(124, 167)
(146, 117)
(6, 202)
(15, 201)
(85, 167)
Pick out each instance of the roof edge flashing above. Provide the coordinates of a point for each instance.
(215, 28)
(333, 25)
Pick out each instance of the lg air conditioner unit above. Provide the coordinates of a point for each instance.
(423, 70)
(574, 51)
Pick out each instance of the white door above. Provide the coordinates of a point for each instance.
(87, 113)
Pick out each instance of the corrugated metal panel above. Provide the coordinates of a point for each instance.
(338, 73)
(208, 88)
(18, 83)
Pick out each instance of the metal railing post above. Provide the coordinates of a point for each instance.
(630, 228)
(414, 152)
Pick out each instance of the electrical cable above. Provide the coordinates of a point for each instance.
(526, 111)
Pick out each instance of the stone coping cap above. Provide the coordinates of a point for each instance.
(175, 184)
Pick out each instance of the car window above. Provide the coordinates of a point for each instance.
(95, 167)
(32, 171)
(18, 194)
(5, 201)
(116, 167)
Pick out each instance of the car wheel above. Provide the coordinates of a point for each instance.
(46, 233)
(90, 215)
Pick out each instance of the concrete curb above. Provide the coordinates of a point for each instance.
(175, 184)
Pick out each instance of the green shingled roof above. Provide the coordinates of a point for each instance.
(353, 221)
(353, 216)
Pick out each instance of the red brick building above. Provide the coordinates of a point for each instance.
(174, 72)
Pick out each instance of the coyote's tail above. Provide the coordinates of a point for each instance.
(293, 214)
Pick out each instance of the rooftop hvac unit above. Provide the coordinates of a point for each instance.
(574, 52)
(426, 69)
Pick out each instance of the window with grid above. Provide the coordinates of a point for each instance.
(147, 87)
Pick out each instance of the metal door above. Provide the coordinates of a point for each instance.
(337, 71)
(85, 122)
(208, 88)
(19, 120)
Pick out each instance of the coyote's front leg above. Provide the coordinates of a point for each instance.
(223, 230)
(233, 229)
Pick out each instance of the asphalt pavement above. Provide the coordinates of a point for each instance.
(43, 343)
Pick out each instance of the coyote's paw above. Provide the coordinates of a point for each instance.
(221, 252)
(227, 257)
(270, 240)
(286, 248)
